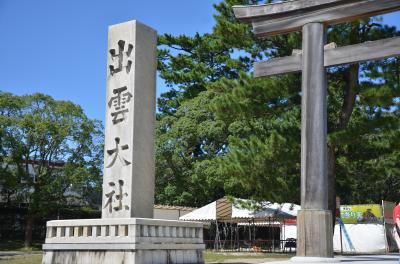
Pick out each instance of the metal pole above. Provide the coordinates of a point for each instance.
(341, 239)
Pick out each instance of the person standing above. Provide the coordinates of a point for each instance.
(396, 224)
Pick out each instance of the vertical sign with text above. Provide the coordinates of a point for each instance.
(128, 182)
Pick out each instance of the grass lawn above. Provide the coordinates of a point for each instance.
(31, 259)
(210, 257)
(34, 254)
(18, 245)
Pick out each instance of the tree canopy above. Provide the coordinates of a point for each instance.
(60, 143)
(222, 132)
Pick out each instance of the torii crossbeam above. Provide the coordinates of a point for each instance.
(314, 221)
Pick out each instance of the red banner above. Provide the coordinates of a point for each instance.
(290, 222)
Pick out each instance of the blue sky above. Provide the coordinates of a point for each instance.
(59, 47)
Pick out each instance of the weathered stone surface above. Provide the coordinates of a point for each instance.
(128, 187)
(124, 257)
(128, 184)
(126, 240)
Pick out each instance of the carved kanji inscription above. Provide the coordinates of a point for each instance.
(114, 198)
(115, 153)
(119, 58)
(119, 104)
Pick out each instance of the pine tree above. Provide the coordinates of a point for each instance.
(223, 132)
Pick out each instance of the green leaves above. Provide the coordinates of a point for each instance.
(52, 146)
(216, 114)
(222, 132)
(187, 144)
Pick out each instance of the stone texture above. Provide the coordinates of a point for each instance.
(128, 187)
(314, 233)
(122, 241)
(124, 257)
(128, 184)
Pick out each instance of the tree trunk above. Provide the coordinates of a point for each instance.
(28, 230)
(350, 95)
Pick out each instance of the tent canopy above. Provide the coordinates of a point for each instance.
(234, 210)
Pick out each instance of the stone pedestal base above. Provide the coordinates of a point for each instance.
(123, 241)
(314, 234)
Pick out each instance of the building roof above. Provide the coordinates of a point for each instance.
(226, 210)
(174, 207)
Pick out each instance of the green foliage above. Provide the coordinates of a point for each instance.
(214, 107)
(187, 143)
(364, 132)
(63, 144)
(222, 132)
(264, 134)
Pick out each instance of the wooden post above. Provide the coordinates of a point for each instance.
(314, 182)
(314, 228)
(314, 221)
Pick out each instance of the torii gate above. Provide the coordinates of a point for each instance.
(314, 221)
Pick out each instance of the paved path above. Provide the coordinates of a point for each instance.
(244, 261)
(365, 259)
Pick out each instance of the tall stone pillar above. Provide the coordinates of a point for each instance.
(128, 183)
(127, 232)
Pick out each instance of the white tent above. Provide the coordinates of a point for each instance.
(228, 215)
(365, 238)
(205, 213)
(226, 210)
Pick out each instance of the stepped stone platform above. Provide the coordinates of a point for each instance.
(122, 241)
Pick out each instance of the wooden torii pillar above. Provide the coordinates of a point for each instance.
(314, 221)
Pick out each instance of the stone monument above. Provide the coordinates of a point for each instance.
(314, 220)
(128, 184)
(126, 233)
